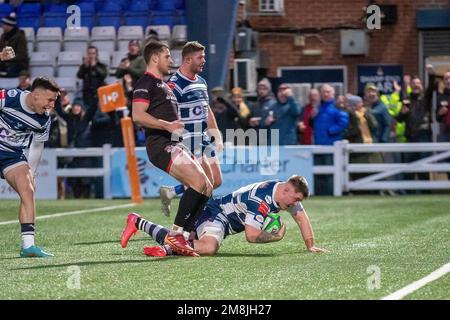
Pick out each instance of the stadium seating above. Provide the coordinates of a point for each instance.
(28, 22)
(70, 84)
(49, 40)
(68, 63)
(179, 34)
(87, 8)
(166, 5)
(109, 19)
(104, 38)
(56, 8)
(5, 9)
(162, 30)
(139, 6)
(117, 57)
(176, 57)
(112, 24)
(9, 83)
(29, 34)
(76, 39)
(42, 64)
(132, 18)
(160, 18)
(29, 9)
(127, 33)
(55, 19)
(105, 57)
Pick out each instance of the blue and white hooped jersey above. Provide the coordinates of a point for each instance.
(193, 102)
(18, 123)
(247, 205)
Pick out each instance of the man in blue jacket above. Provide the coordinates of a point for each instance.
(283, 116)
(329, 125)
(330, 122)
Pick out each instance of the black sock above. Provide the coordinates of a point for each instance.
(157, 232)
(189, 206)
(192, 219)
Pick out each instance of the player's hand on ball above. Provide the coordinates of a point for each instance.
(7, 53)
(317, 250)
(280, 233)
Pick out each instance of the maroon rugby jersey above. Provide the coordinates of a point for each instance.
(162, 102)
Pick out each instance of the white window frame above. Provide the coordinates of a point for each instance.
(266, 7)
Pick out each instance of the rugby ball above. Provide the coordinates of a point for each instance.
(272, 223)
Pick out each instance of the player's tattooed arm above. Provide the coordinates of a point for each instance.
(265, 237)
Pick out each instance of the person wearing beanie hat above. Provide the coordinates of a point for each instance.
(15, 38)
(264, 102)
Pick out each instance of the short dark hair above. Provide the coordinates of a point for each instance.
(153, 47)
(46, 84)
(191, 47)
(300, 184)
(93, 47)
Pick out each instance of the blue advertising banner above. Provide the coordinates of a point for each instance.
(240, 166)
(382, 75)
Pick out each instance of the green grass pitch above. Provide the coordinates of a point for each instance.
(405, 237)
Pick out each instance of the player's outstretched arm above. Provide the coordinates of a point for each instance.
(255, 235)
(302, 220)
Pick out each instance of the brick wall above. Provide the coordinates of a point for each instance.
(396, 43)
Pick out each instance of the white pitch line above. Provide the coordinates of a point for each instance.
(71, 213)
(400, 294)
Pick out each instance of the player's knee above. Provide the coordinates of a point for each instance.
(26, 193)
(210, 249)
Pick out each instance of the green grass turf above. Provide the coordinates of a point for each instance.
(406, 237)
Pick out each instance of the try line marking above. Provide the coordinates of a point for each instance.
(397, 295)
(71, 213)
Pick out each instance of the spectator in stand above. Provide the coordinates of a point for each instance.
(380, 112)
(304, 127)
(58, 139)
(264, 101)
(237, 98)
(416, 113)
(328, 125)
(133, 64)
(24, 80)
(393, 103)
(79, 136)
(340, 102)
(282, 116)
(93, 74)
(225, 112)
(443, 103)
(15, 38)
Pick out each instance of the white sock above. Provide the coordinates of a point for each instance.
(172, 194)
(27, 241)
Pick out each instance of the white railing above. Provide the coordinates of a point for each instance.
(343, 168)
(105, 171)
(340, 169)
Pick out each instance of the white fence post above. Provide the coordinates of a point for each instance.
(338, 162)
(106, 171)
